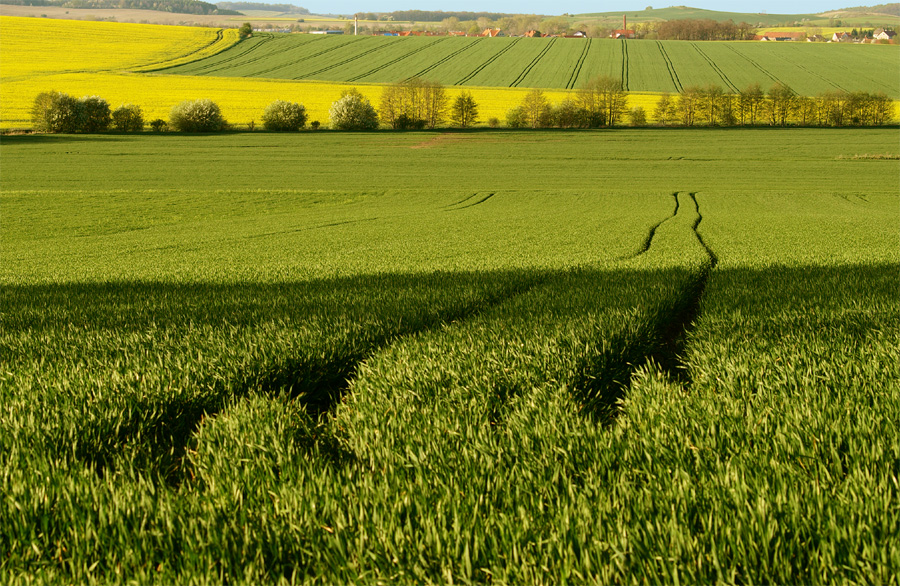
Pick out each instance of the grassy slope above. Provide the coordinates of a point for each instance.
(477, 434)
(680, 12)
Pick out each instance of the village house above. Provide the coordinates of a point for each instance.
(532, 34)
(491, 32)
(815, 39)
(780, 36)
(842, 37)
(884, 35)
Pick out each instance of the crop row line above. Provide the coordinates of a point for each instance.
(397, 60)
(447, 58)
(490, 60)
(531, 65)
(578, 65)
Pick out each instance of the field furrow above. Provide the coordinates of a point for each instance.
(535, 61)
(604, 58)
(490, 71)
(727, 85)
(385, 65)
(570, 84)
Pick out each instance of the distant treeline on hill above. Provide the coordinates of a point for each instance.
(698, 29)
(289, 8)
(177, 6)
(438, 16)
(893, 8)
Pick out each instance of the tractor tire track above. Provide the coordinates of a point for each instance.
(754, 63)
(716, 68)
(447, 58)
(463, 200)
(531, 65)
(397, 60)
(302, 59)
(318, 379)
(148, 68)
(671, 67)
(471, 205)
(648, 240)
(814, 74)
(238, 60)
(625, 65)
(344, 62)
(578, 65)
(490, 60)
(603, 379)
(713, 259)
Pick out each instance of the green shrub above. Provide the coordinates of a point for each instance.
(159, 125)
(197, 116)
(93, 114)
(281, 115)
(637, 116)
(54, 112)
(353, 112)
(128, 118)
(515, 118)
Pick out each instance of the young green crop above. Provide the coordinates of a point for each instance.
(513, 357)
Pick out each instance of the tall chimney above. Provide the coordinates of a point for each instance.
(355, 24)
(624, 22)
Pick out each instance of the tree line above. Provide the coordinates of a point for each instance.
(779, 106)
(177, 6)
(703, 29)
(288, 8)
(416, 103)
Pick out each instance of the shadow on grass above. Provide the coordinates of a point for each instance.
(152, 428)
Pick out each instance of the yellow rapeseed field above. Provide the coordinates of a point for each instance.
(242, 99)
(104, 58)
(37, 46)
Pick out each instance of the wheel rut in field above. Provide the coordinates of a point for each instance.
(603, 378)
(648, 240)
(481, 198)
(317, 380)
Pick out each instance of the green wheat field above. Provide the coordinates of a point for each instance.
(507, 357)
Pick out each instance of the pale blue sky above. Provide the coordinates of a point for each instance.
(570, 6)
